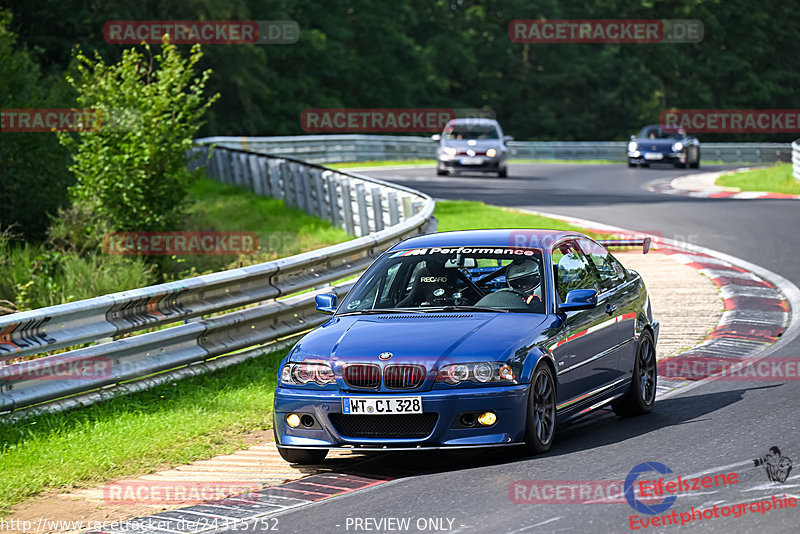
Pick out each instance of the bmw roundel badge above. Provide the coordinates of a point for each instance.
(385, 355)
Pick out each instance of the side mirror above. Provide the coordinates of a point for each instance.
(507, 138)
(436, 137)
(326, 303)
(633, 138)
(580, 299)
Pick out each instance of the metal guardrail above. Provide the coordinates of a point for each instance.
(796, 160)
(378, 212)
(346, 148)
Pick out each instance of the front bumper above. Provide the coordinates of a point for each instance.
(478, 163)
(509, 403)
(644, 156)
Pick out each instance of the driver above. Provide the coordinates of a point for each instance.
(523, 277)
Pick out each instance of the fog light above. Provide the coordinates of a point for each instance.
(487, 419)
(293, 420)
(307, 421)
(468, 419)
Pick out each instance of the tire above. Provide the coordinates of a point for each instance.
(541, 415)
(440, 171)
(696, 163)
(503, 173)
(303, 456)
(631, 164)
(641, 395)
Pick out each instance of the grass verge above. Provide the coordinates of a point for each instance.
(169, 425)
(470, 215)
(775, 179)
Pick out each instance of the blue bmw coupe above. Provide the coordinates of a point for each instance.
(470, 339)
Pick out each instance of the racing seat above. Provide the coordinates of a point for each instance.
(434, 285)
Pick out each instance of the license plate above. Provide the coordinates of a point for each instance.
(653, 155)
(381, 406)
(471, 161)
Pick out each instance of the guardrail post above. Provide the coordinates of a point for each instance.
(363, 214)
(283, 184)
(377, 207)
(319, 193)
(257, 171)
(333, 199)
(347, 208)
(394, 210)
(408, 209)
(306, 178)
(274, 178)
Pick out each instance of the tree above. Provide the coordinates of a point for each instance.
(33, 167)
(131, 173)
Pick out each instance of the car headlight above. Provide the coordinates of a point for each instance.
(677, 147)
(479, 372)
(450, 151)
(491, 152)
(632, 146)
(299, 374)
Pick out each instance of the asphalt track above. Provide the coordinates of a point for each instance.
(713, 428)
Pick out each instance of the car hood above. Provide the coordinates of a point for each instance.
(430, 339)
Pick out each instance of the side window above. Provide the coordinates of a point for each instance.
(611, 271)
(572, 270)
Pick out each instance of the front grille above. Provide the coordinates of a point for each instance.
(362, 375)
(403, 376)
(418, 425)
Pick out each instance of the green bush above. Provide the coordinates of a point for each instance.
(131, 173)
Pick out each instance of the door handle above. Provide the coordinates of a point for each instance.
(611, 308)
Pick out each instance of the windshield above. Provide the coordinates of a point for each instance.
(424, 279)
(655, 132)
(471, 131)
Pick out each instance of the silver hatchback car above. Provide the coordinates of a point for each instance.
(472, 145)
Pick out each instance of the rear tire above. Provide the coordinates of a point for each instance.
(303, 456)
(641, 395)
(541, 417)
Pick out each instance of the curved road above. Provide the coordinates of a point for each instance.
(716, 427)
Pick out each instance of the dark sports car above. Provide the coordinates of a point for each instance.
(468, 339)
(659, 144)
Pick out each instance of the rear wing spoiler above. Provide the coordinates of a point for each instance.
(644, 243)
